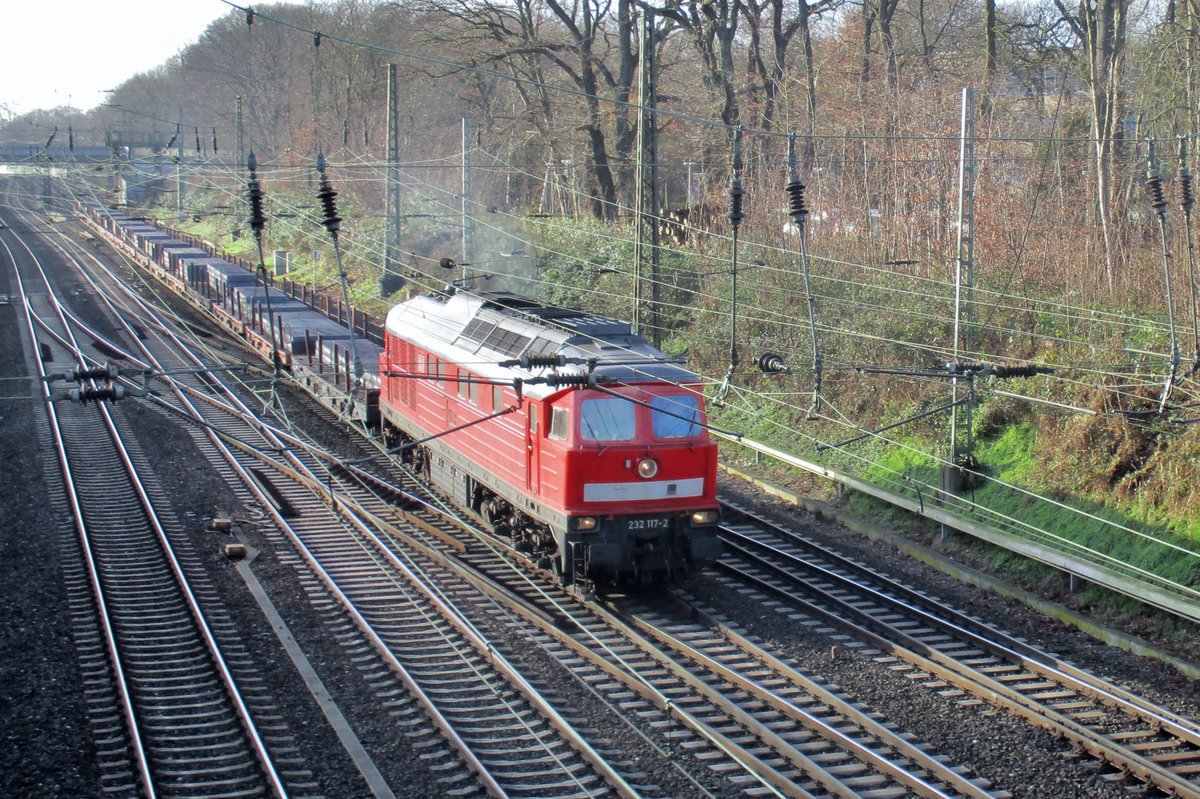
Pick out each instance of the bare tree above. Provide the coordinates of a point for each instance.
(590, 45)
(1100, 26)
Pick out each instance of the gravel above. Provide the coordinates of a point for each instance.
(1004, 749)
(45, 738)
(46, 732)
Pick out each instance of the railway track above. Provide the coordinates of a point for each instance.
(711, 694)
(960, 655)
(740, 714)
(171, 716)
(510, 742)
(844, 766)
(794, 763)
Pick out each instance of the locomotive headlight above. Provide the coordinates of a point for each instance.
(705, 517)
(584, 522)
(647, 468)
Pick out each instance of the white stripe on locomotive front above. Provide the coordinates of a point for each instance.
(658, 489)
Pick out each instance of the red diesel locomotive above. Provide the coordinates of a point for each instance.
(561, 430)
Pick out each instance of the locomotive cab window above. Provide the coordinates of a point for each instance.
(676, 416)
(608, 419)
(560, 424)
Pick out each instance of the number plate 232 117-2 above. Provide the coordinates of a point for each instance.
(648, 525)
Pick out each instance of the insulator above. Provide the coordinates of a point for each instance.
(541, 361)
(255, 194)
(1154, 189)
(328, 198)
(106, 372)
(250, 17)
(772, 364)
(316, 38)
(257, 220)
(448, 263)
(736, 193)
(564, 381)
(796, 206)
(1183, 182)
(86, 394)
(1024, 370)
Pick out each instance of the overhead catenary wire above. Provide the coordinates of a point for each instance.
(1132, 324)
(851, 332)
(748, 395)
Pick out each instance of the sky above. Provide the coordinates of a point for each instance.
(67, 52)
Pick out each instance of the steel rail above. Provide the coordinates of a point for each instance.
(835, 736)
(992, 639)
(301, 473)
(926, 658)
(207, 636)
(129, 712)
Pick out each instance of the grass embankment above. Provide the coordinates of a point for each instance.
(1109, 484)
(1098, 490)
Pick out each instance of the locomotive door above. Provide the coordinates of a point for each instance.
(532, 448)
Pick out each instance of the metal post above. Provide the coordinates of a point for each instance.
(646, 200)
(963, 291)
(179, 167)
(467, 229)
(241, 134)
(391, 279)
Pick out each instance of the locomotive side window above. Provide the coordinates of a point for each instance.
(666, 412)
(497, 398)
(560, 424)
(464, 388)
(443, 373)
(607, 420)
(533, 419)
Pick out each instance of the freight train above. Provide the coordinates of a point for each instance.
(561, 430)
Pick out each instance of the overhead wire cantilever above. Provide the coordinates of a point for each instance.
(735, 217)
(1183, 180)
(1158, 203)
(258, 221)
(799, 213)
(333, 223)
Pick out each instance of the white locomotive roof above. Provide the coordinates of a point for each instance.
(480, 330)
